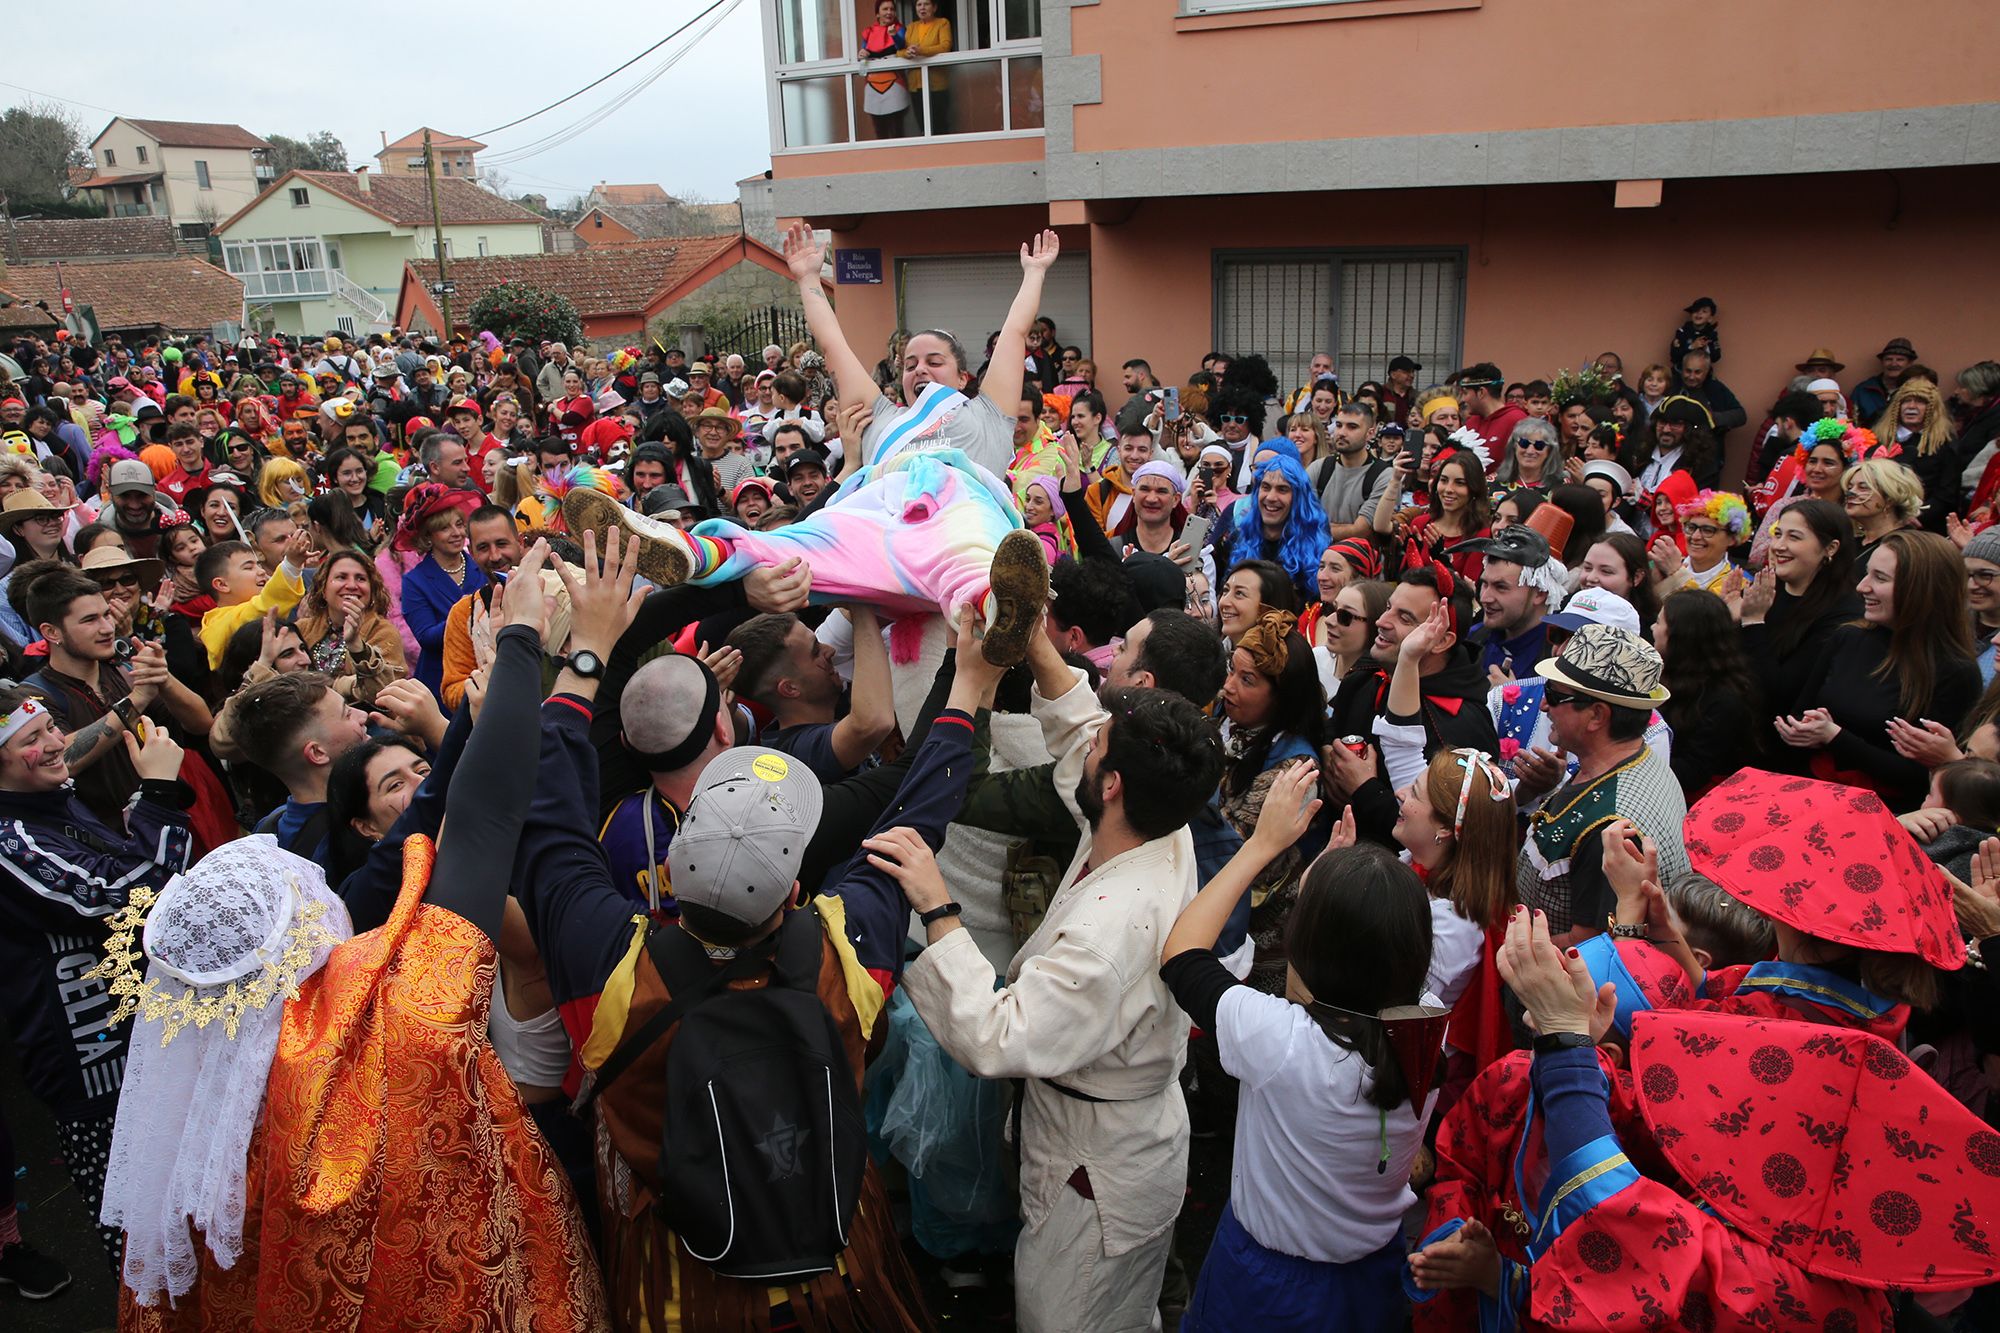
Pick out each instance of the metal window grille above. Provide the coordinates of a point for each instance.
(1364, 307)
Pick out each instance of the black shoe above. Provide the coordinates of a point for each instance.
(32, 1274)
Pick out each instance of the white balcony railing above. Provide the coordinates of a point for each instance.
(288, 284)
(364, 301)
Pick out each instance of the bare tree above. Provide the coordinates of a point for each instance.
(39, 143)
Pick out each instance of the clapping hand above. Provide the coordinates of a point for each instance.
(1666, 556)
(1924, 742)
(1758, 597)
(1813, 729)
(1466, 1260)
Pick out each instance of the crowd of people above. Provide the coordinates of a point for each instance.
(499, 833)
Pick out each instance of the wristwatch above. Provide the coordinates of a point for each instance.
(584, 663)
(940, 912)
(1550, 1042)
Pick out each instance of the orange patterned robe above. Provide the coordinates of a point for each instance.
(395, 1180)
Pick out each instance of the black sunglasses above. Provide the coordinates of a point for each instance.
(117, 580)
(1346, 618)
(1555, 698)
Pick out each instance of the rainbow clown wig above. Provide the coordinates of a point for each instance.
(1725, 509)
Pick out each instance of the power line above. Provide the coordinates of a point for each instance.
(556, 138)
(66, 101)
(594, 82)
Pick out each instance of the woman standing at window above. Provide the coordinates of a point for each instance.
(930, 35)
(884, 96)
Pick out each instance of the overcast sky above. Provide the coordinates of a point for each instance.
(360, 71)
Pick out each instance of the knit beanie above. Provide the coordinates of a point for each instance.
(1985, 545)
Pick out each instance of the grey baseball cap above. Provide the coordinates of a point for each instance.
(129, 474)
(738, 848)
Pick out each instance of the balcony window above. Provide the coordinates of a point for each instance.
(986, 82)
(282, 268)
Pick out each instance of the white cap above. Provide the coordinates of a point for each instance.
(1595, 606)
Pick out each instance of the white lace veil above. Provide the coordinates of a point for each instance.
(225, 944)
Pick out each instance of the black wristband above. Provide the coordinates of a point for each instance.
(940, 912)
(1550, 1042)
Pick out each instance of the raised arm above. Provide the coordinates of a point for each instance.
(806, 255)
(1004, 373)
(871, 710)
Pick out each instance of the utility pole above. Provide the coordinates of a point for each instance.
(437, 238)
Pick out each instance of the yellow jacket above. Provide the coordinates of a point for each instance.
(927, 37)
(281, 594)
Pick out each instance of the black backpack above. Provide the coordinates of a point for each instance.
(762, 1143)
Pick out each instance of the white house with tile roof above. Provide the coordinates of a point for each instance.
(324, 250)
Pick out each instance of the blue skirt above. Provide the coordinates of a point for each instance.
(1246, 1286)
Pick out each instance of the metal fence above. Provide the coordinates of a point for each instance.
(776, 324)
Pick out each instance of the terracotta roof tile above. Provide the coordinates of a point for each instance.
(90, 238)
(632, 194)
(184, 294)
(654, 221)
(198, 134)
(604, 280)
(406, 200)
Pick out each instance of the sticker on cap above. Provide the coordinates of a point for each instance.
(770, 767)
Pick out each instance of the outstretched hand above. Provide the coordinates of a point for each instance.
(805, 254)
(1040, 253)
(603, 602)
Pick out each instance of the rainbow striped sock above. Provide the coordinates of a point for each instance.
(706, 553)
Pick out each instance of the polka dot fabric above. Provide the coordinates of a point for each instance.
(1827, 1145)
(1829, 860)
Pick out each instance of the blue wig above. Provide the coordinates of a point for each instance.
(1305, 538)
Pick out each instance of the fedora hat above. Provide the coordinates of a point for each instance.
(1609, 664)
(112, 559)
(24, 505)
(719, 414)
(1820, 356)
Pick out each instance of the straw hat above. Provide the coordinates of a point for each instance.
(24, 505)
(113, 559)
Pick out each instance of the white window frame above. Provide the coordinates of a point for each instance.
(110, 157)
(301, 197)
(847, 68)
(259, 261)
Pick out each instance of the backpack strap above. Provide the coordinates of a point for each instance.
(690, 977)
